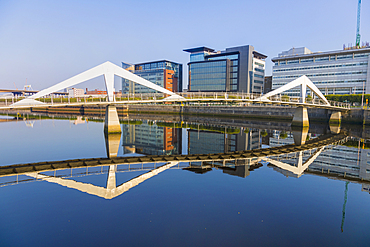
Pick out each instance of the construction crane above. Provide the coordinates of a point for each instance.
(358, 36)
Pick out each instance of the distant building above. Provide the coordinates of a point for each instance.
(267, 86)
(98, 92)
(237, 69)
(333, 72)
(164, 73)
(76, 92)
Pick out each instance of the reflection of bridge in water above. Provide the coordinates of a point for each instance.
(237, 163)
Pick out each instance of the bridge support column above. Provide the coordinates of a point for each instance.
(300, 117)
(111, 124)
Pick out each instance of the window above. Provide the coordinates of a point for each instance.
(292, 61)
(361, 55)
(349, 56)
(318, 59)
(306, 60)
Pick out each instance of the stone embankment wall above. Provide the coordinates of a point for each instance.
(260, 112)
(353, 116)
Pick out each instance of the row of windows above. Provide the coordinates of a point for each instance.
(196, 57)
(231, 57)
(207, 87)
(318, 59)
(323, 74)
(208, 65)
(257, 81)
(234, 69)
(157, 65)
(200, 76)
(329, 82)
(259, 70)
(323, 66)
(336, 82)
(260, 76)
(259, 64)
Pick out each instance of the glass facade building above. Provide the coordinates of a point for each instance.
(334, 72)
(237, 69)
(163, 73)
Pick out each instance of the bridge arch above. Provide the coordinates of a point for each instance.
(304, 82)
(109, 70)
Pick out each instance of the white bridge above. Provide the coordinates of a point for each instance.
(109, 70)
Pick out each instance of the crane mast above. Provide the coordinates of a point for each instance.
(358, 36)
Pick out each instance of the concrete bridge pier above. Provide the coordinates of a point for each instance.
(111, 124)
(300, 118)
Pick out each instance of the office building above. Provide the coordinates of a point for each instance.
(164, 73)
(267, 86)
(237, 69)
(333, 72)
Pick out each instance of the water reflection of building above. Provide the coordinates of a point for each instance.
(343, 161)
(206, 142)
(150, 139)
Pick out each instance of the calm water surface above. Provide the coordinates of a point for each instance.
(198, 204)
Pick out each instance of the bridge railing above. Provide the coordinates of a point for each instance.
(192, 96)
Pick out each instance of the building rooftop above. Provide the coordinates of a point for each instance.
(198, 49)
(303, 52)
(259, 55)
(157, 62)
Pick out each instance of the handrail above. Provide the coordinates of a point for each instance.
(191, 97)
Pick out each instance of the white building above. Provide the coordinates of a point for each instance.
(333, 72)
(76, 92)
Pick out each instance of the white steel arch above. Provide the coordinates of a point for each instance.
(302, 81)
(109, 70)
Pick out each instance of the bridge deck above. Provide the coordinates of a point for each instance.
(126, 102)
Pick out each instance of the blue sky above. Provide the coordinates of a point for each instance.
(50, 41)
